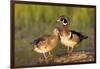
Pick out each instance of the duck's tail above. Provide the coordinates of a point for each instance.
(83, 37)
(34, 42)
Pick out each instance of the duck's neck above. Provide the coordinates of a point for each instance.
(53, 40)
(66, 30)
(54, 36)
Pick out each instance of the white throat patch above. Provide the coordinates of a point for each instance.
(65, 23)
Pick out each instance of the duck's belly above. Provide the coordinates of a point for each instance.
(67, 42)
(43, 49)
(46, 47)
(40, 50)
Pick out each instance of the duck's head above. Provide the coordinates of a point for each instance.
(62, 20)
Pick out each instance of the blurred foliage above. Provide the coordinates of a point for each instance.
(33, 21)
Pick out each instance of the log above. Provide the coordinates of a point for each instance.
(75, 57)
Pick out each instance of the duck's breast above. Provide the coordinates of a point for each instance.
(67, 41)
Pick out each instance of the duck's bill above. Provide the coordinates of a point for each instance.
(58, 20)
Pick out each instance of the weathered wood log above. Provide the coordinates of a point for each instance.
(75, 57)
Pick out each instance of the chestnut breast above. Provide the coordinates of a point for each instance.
(66, 35)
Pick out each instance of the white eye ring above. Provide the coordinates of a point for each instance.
(65, 23)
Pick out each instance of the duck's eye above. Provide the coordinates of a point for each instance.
(61, 19)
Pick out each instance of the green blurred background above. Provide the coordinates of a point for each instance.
(33, 21)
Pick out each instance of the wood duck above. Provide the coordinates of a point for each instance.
(69, 38)
(46, 43)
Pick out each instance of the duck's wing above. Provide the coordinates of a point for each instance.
(40, 39)
(75, 32)
(81, 36)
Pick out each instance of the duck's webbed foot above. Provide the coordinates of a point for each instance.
(41, 59)
(49, 54)
(50, 57)
(46, 59)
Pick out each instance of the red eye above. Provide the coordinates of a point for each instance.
(61, 19)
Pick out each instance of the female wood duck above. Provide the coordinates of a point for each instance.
(46, 43)
(69, 38)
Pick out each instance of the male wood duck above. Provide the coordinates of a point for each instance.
(46, 43)
(69, 38)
